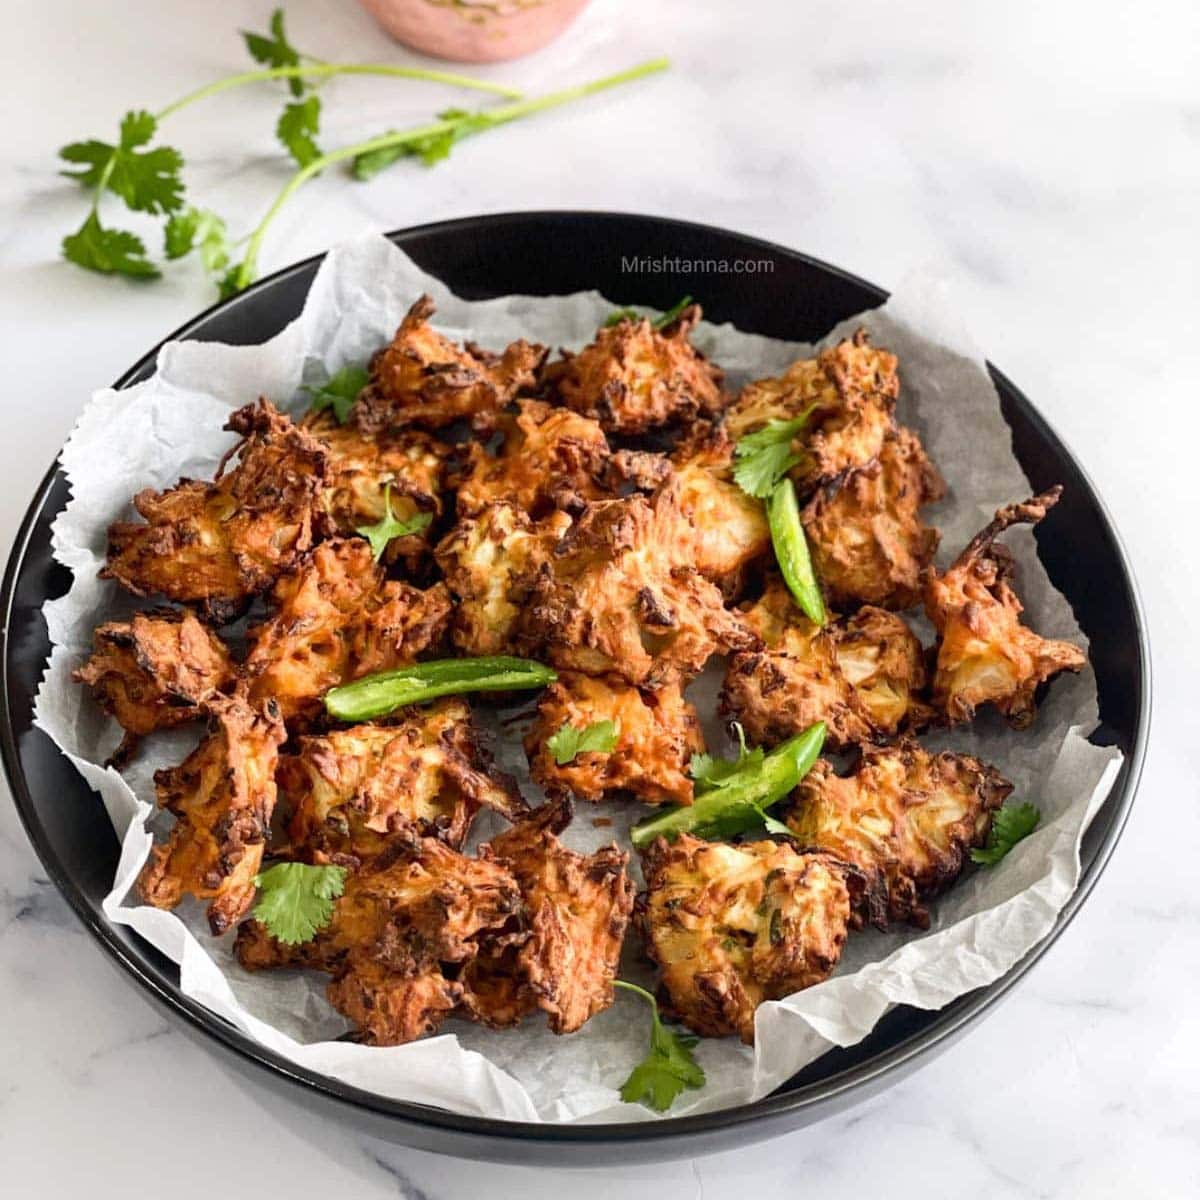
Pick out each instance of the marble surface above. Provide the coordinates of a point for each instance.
(1044, 156)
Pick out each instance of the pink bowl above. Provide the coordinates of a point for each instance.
(475, 30)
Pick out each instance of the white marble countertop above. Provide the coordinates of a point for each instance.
(1044, 156)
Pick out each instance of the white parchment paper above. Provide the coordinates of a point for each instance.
(149, 435)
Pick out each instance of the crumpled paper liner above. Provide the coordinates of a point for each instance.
(170, 425)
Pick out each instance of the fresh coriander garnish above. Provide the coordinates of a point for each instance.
(764, 457)
(388, 527)
(295, 900)
(597, 738)
(339, 392)
(660, 322)
(708, 772)
(668, 1067)
(1010, 824)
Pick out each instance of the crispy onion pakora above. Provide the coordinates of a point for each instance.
(609, 600)
(424, 379)
(399, 935)
(351, 791)
(490, 562)
(861, 676)
(551, 458)
(985, 655)
(220, 544)
(576, 910)
(155, 671)
(732, 926)
(849, 392)
(336, 618)
(868, 542)
(633, 378)
(366, 471)
(905, 818)
(222, 796)
(658, 732)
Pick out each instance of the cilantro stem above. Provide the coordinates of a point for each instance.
(640, 991)
(327, 70)
(495, 116)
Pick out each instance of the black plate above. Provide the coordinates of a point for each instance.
(551, 253)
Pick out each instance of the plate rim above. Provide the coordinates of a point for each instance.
(952, 1021)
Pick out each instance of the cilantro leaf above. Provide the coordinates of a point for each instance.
(430, 149)
(295, 900)
(709, 772)
(275, 50)
(296, 127)
(109, 251)
(339, 392)
(147, 180)
(1010, 825)
(764, 457)
(198, 228)
(668, 1067)
(600, 737)
(661, 322)
(388, 527)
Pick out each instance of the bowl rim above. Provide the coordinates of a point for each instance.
(910, 1050)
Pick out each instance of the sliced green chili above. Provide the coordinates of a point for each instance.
(738, 803)
(382, 693)
(791, 551)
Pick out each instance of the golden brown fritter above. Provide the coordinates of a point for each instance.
(334, 619)
(610, 600)
(349, 793)
(398, 936)
(220, 544)
(906, 818)
(985, 655)
(723, 531)
(365, 469)
(551, 458)
(490, 562)
(860, 676)
(222, 796)
(633, 378)
(851, 390)
(658, 734)
(576, 909)
(732, 926)
(155, 670)
(424, 379)
(868, 542)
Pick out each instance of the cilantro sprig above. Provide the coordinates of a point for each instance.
(338, 392)
(1010, 825)
(600, 737)
(660, 322)
(389, 527)
(295, 900)
(764, 457)
(669, 1066)
(708, 772)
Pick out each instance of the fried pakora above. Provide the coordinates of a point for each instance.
(155, 671)
(576, 909)
(732, 926)
(222, 796)
(367, 472)
(860, 676)
(985, 655)
(220, 544)
(609, 600)
(424, 379)
(490, 562)
(657, 734)
(633, 378)
(334, 619)
(849, 393)
(551, 458)
(905, 818)
(868, 542)
(350, 792)
(399, 935)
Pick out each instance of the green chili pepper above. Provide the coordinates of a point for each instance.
(791, 551)
(382, 693)
(738, 803)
